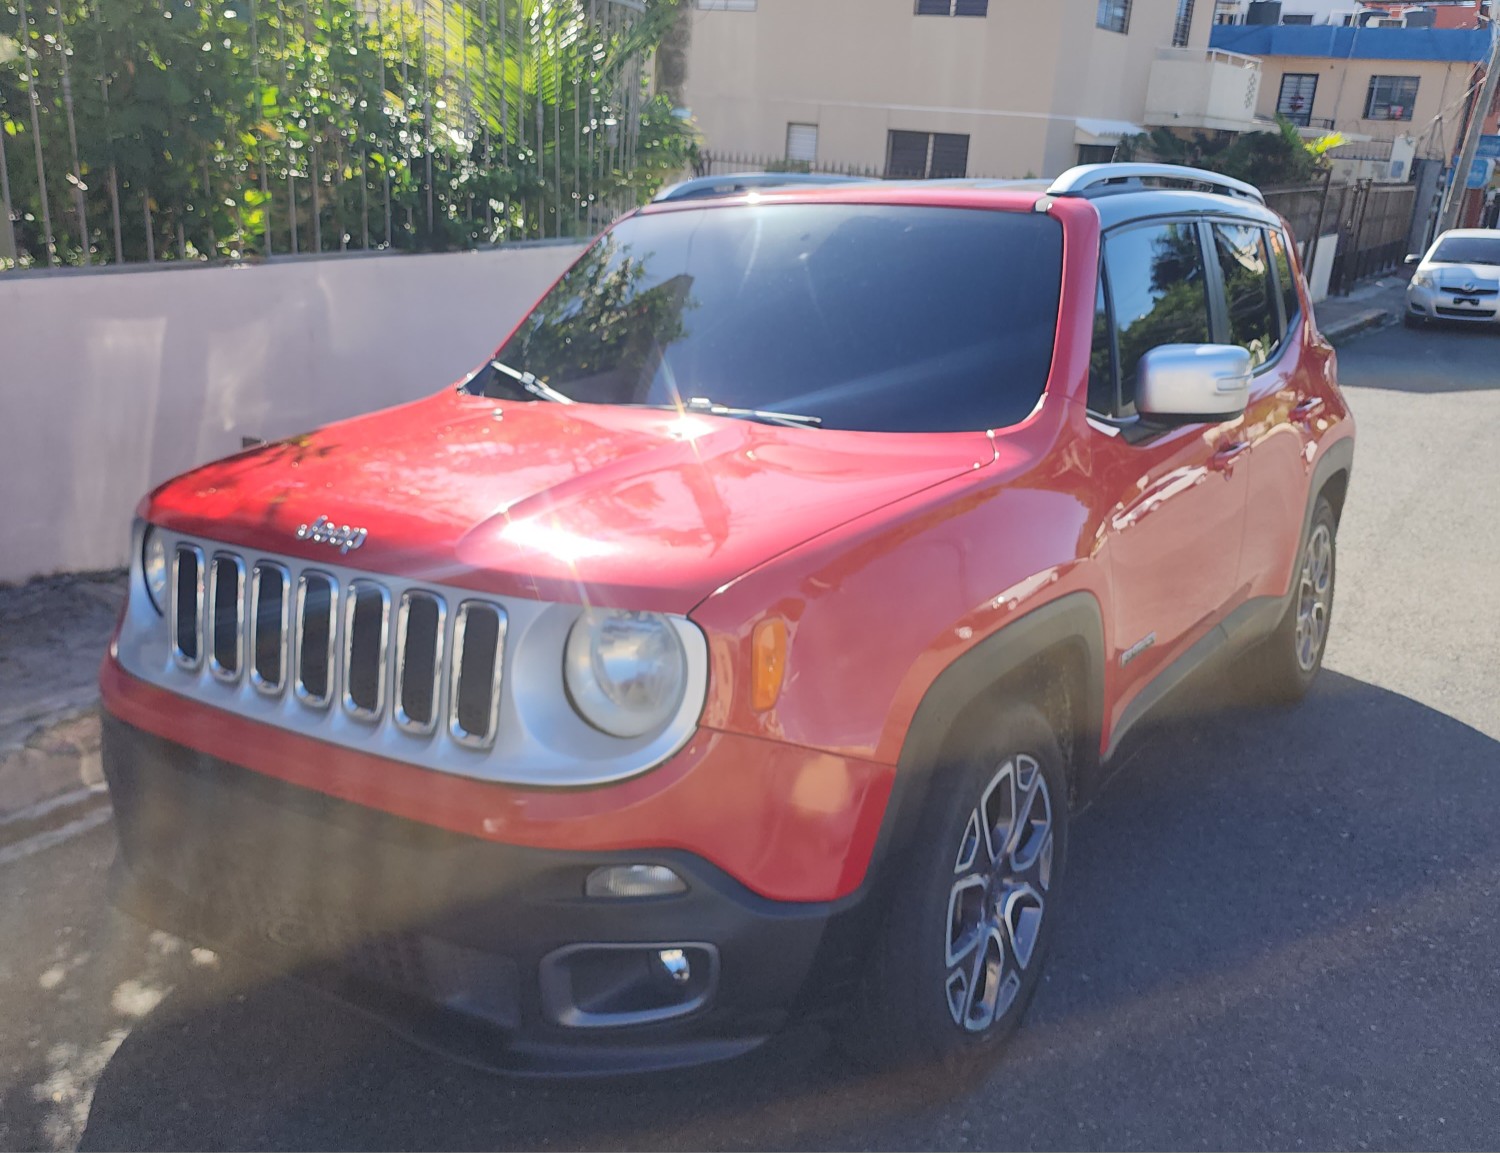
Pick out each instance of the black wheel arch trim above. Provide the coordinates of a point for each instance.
(1073, 623)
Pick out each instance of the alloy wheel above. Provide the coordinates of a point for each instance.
(1001, 875)
(1314, 596)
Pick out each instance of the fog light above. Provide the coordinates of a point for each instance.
(633, 881)
(674, 964)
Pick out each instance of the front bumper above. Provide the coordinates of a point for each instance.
(1444, 304)
(469, 945)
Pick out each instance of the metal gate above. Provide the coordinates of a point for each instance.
(1373, 232)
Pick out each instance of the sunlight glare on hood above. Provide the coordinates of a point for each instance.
(555, 541)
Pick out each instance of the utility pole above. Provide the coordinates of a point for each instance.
(1458, 187)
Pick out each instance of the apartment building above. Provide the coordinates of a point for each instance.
(939, 88)
(1371, 83)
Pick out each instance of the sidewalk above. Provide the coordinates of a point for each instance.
(52, 637)
(1370, 305)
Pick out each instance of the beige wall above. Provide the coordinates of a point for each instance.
(113, 382)
(1015, 81)
(1344, 85)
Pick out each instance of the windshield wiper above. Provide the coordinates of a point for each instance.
(790, 419)
(530, 383)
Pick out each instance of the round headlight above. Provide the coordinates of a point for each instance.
(625, 672)
(154, 568)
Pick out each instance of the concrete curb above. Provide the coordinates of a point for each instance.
(1340, 330)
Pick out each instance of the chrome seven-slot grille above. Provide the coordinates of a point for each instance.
(281, 629)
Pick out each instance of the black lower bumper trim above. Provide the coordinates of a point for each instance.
(439, 935)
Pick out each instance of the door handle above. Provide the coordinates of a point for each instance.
(1305, 408)
(1223, 458)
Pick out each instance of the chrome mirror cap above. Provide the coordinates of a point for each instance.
(1193, 382)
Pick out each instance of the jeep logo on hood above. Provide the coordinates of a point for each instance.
(341, 536)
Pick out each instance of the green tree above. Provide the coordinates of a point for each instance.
(1271, 159)
(252, 127)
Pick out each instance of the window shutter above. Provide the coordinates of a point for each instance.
(802, 143)
(934, 7)
(906, 155)
(971, 7)
(950, 155)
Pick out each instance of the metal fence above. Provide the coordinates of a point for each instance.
(1373, 222)
(144, 130)
(1302, 207)
(724, 163)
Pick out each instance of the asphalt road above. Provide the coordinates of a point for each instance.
(1282, 932)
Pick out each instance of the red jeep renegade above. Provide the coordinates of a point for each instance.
(732, 647)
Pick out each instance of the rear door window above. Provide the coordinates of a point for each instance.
(1249, 293)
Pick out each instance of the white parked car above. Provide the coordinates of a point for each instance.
(1458, 279)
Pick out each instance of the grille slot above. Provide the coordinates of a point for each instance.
(367, 611)
(317, 602)
(419, 660)
(270, 589)
(226, 603)
(478, 643)
(187, 606)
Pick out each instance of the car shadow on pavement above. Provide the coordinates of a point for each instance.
(1272, 920)
(1455, 357)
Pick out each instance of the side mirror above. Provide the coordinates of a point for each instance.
(1191, 383)
(1413, 258)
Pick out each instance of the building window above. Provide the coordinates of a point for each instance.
(953, 7)
(1391, 97)
(926, 155)
(1296, 99)
(1183, 29)
(727, 5)
(802, 143)
(1096, 153)
(1114, 15)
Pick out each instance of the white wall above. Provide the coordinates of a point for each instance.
(113, 382)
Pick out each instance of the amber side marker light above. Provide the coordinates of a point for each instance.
(768, 646)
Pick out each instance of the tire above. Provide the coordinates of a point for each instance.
(931, 1005)
(1285, 664)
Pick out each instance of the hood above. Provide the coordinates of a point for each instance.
(1463, 275)
(626, 506)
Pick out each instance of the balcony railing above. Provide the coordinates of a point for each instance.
(1206, 88)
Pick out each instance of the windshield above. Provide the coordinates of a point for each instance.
(1467, 250)
(877, 317)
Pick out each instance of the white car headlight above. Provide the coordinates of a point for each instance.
(154, 568)
(625, 672)
(1424, 280)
